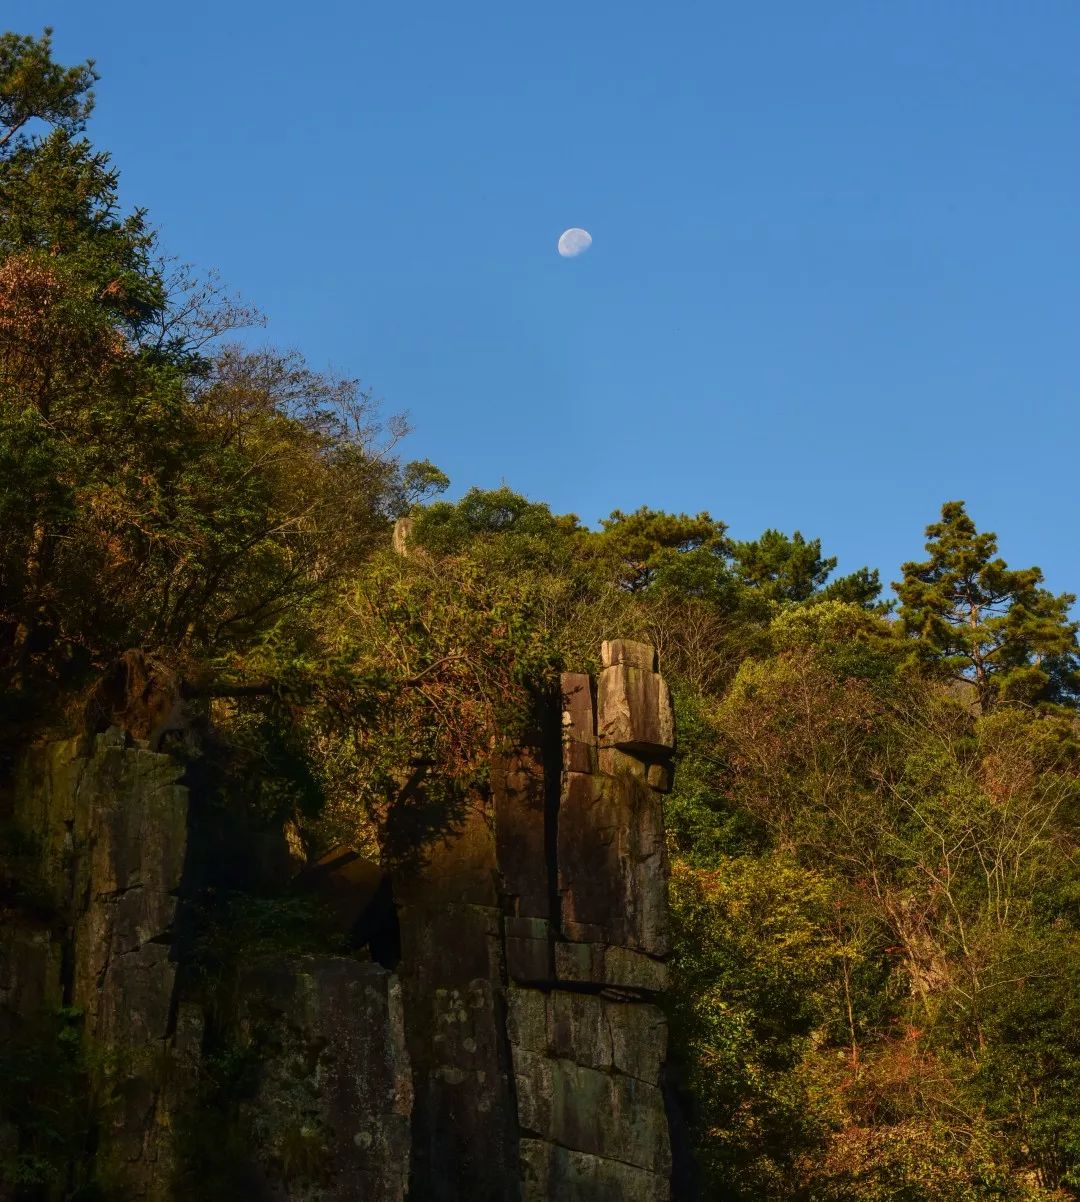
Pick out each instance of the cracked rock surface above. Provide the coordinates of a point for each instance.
(512, 1050)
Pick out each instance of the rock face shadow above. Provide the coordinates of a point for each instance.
(490, 1030)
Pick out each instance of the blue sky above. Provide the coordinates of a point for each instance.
(835, 270)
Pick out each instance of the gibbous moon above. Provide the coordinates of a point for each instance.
(574, 242)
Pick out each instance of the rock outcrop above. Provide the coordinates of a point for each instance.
(330, 1109)
(510, 1045)
(111, 823)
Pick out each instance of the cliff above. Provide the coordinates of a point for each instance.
(492, 1032)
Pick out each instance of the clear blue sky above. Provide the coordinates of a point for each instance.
(837, 246)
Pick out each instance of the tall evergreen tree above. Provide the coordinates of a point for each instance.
(793, 569)
(33, 87)
(984, 623)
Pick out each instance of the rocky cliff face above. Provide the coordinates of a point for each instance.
(509, 1046)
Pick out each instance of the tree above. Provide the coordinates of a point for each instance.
(32, 86)
(982, 623)
(157, 491)
(508, 525)
(792, 569)
(649, 548)
(754, 957)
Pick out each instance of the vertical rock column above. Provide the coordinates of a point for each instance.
(464, 1142)
(587, 1042)
(111, 823)
(534, 944)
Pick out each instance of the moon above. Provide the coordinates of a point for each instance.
(574, 242)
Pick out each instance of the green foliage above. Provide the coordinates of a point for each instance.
(917, 1161)
(159, 490)
(230, 927)
(850, 641)
(986, 624)
(939, 1059)
(1030, 1071)
(755, 953)
(32, 86)
(875, 891)
(449, 660)
(486, 517)
(703, 828)
(793, 569)
(420, 479)
(212, 1147)
(46, 1111)
(649, 548)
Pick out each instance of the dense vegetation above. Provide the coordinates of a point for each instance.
(876, 823)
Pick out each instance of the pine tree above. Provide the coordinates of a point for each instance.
(793, 569)
(984, 623)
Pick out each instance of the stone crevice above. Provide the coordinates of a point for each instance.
(509, 1051)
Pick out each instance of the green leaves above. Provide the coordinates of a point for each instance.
(163, 492)
(755, 954)
(921, 861)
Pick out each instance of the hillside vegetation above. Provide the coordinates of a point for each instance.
(876, 821)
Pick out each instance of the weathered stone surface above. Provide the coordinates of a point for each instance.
(30, 961)
(578, 722)
(111, 823)
(519, 1058)
(519, 791)
(453, 968)
(626, 651)
(659, 777)
(613, 762)
(131, 838)
(44, 798)
(655, 773)
(130, 841)
(529, 950)
(403, 528)
(330, 1116)
(612, 863)
(277, 856)
(633, 710)
(639, 1040)
(346, 881)
(141, 696)
(609, 1115)
(464, 1137)
(614, 967)
(459, 867)
(593, 1031)
(554, 1174)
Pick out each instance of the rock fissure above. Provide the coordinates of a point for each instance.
(507, 1049)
